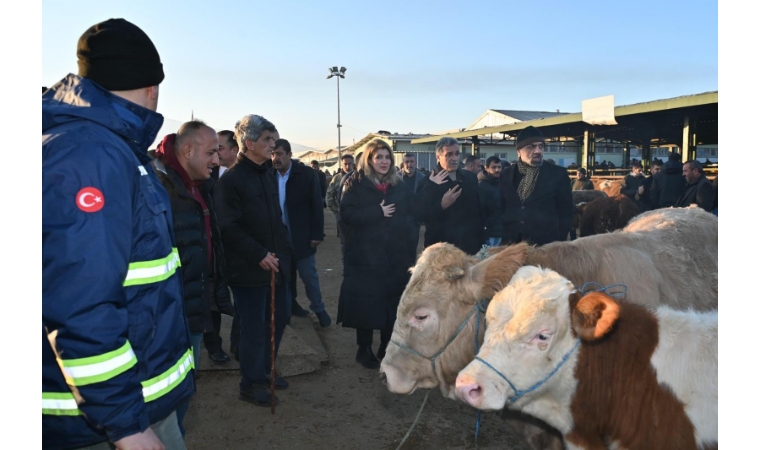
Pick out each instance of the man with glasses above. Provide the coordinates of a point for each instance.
(536, 200)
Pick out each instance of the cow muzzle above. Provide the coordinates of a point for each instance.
(469, 391)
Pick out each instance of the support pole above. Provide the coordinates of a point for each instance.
(339, 151)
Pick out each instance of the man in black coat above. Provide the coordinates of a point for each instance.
(303, 215)
(256, 243)
(449, 203)
(184, 162)
(414, 181)
(668, 185)
(635, 187)
(488, 183)
(536, 200)
(698, 190)
(322, 180)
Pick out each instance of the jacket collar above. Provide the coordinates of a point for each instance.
(76, 98)
(246, 162)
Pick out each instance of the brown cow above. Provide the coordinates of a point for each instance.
(605, 215)
(609, 187)
(587, 195)
(580, 200)
(605, 373)
(667, 256)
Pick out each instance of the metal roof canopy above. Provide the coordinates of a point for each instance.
(659, 121)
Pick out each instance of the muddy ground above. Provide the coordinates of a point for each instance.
(341, 406)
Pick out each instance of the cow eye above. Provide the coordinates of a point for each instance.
(543, 337)
(420, 318)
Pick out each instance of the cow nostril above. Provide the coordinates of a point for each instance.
(475, 392)
(384, 378)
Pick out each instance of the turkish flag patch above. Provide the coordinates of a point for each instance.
(90, 199)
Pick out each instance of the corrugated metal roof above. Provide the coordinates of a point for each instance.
(524, 116)
(404, 137)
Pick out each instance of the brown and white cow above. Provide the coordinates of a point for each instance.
(667, 256)
(605, 215)
(609, 187)
(603, 373)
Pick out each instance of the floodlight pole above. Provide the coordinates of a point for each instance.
(334, 72)
(339, 151)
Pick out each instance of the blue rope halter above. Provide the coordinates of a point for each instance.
(623, 289)
(479, 306)
(518, 392)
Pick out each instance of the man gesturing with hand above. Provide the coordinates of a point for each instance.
(449, 203)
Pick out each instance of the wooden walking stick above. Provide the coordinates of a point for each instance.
(271, 342)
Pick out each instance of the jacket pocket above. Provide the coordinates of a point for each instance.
(152, 199)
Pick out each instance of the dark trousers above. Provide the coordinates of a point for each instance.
(414, 239)
(212, 340)
(364, 336)
(337, 222)
(253, 308)
(235, 334)
(342, 233)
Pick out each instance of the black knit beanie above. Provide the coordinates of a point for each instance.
(119, 56)
(528, 136)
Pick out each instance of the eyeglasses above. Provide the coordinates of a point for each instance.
(533, 147)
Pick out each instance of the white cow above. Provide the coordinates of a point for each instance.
(603, 373)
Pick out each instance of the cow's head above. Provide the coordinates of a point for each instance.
(532, 325)
(446, 284)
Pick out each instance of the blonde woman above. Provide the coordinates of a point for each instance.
(374, 208)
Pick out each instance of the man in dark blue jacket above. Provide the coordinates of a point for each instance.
(116, 357)
(488, 184)
(303, 215)
(415, 181)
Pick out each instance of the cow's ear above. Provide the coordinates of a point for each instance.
(454, 273)
(493, 273)
(593, 314)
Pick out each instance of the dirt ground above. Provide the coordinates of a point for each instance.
(341, 406)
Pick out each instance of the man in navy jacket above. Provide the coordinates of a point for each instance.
(302, 213)
(116, 357)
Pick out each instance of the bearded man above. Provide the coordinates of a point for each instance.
(536, 199)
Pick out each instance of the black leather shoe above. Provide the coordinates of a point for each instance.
(381, 350)
(297, 311)
(366, 358)
(258, 396)
(219, 357)
(324, 319)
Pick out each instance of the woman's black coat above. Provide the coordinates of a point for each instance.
(377, 261)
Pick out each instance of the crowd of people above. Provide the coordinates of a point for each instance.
(670, 184)
(144, 251)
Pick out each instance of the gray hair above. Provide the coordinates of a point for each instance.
(445, 142)
(251, 127)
